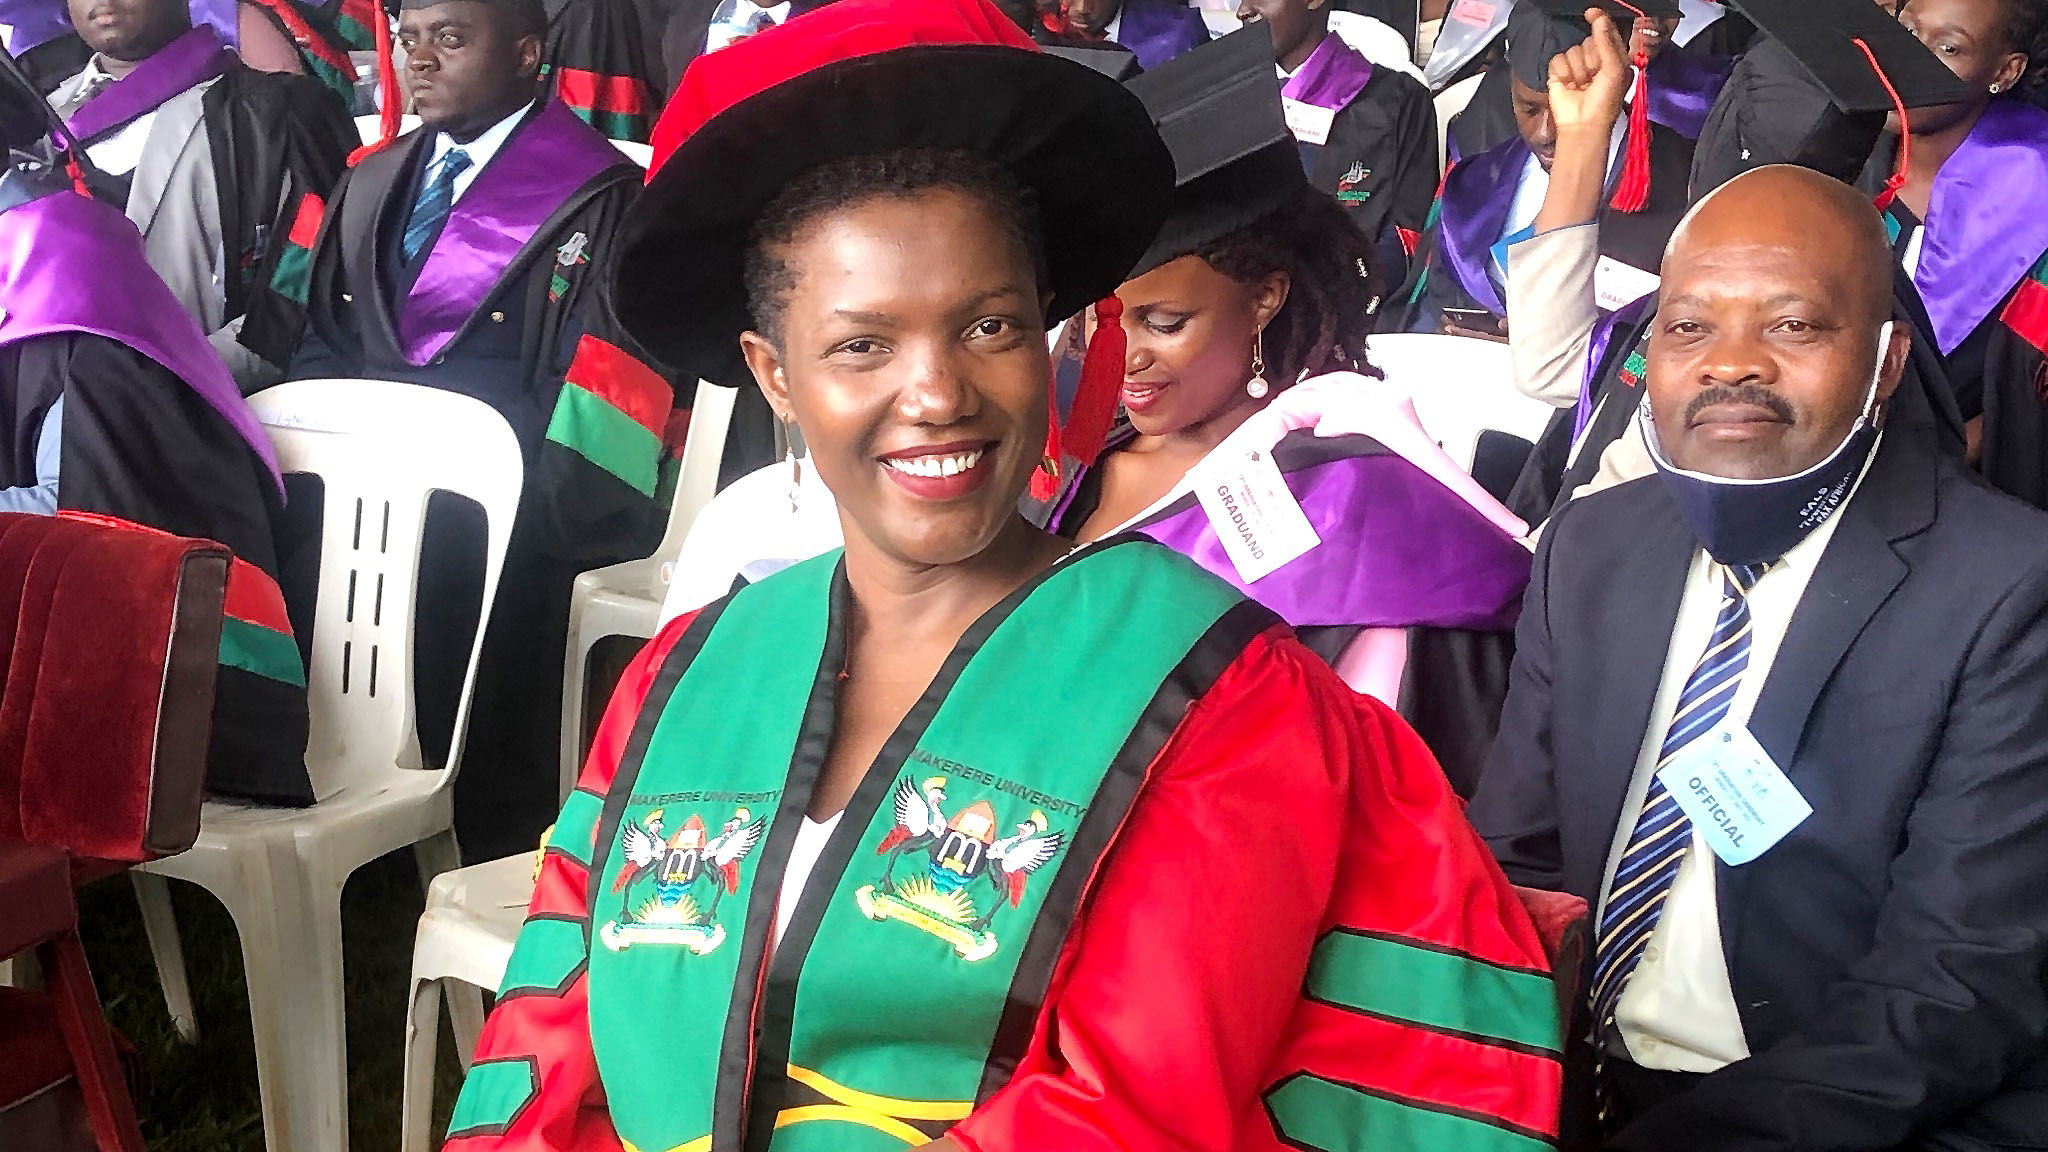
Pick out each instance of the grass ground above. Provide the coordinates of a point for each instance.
(202, 1097)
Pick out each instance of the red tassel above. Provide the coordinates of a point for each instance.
(76, 172)
(1897, 180)
(1094, 409)
(387, 84)
(1632, 190)
(1102, 381)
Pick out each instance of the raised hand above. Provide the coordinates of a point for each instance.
(1589, 80)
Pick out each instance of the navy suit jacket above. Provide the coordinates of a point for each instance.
(1158, 30)
(1887, 957)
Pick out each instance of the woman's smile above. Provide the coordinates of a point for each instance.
(940, 471)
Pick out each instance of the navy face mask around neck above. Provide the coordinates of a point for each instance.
(1758, 521)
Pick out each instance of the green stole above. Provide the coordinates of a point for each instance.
(909, 981)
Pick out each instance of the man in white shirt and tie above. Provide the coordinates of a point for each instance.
(1777, 713)
(464, 256)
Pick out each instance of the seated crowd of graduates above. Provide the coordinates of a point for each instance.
(1095, 713)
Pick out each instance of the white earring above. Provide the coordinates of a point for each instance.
(796, 468)
(1997, 88)
(1258, 387)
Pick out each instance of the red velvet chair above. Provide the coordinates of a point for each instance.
(109, 637)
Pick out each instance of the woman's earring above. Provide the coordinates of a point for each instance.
(796, 468)
(1997, 88)
(1258, 387)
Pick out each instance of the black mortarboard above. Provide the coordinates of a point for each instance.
(1112, 60)
(1218, 109)
(528, 17)
(1807, 94)
(1540, 29)
(1821, 36)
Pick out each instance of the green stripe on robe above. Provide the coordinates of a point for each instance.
(591, 427)
(262, 651)
(1322, 1114)
(1439, 991)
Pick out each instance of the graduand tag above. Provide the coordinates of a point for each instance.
(1310, 124)
(1617, 285)
(1734, 794)
(1258, 520)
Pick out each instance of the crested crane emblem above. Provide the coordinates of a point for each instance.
(948, 854)
(684, 875)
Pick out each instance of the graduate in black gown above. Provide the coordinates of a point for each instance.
(213, 161)
(466, 256)
(1489, 199)
(1807, 95)
(112, 403)
(598, 59)
(1367, 134)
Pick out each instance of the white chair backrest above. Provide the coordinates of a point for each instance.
(697, 474)
(379, 449)
(641, 154)
(1462, 386)
(1449, 103)
(1376, 40)
(370, 127)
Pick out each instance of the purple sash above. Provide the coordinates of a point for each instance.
(547, 159)
(1986, 223)
(33, 23)
(1158, 30)
(1478, 195)
(1332, 76)
(1683, 86)
(69, 264)
(193, 58)
(1399, 550)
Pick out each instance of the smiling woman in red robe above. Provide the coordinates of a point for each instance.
(956, 838)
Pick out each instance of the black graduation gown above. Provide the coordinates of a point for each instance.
(513, 352)
(1379, 161)
(1923, 399)
(597, 60)
(1633, 238)
(140, 445)
(280, 144)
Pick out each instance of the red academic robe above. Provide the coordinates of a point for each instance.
(1177, 1003)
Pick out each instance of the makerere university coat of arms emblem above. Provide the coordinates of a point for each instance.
(940, 897)
(676, 909)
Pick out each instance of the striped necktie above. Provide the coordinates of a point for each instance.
(1662, 833)
(430, 211)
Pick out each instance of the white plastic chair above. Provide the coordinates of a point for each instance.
(371, 128)
(464, 943)
(1462, 386)
(380, 449)
(624, 599)
(1449, 103)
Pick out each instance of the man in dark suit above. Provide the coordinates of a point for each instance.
(1853, 658)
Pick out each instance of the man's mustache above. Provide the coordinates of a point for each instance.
(1755, 394)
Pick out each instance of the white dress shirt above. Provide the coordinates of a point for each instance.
(1677, 1012)
(479, 150)
(1115, 25)
(735, 19)
(117, 153)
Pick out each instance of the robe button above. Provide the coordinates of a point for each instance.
(497, 317)
(347, 299)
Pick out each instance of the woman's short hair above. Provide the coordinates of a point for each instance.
(843, 184)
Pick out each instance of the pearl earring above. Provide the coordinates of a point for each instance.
(1258, 387)
(1997, 88)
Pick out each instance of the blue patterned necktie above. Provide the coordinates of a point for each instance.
(1662, 833)
(430, 211)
